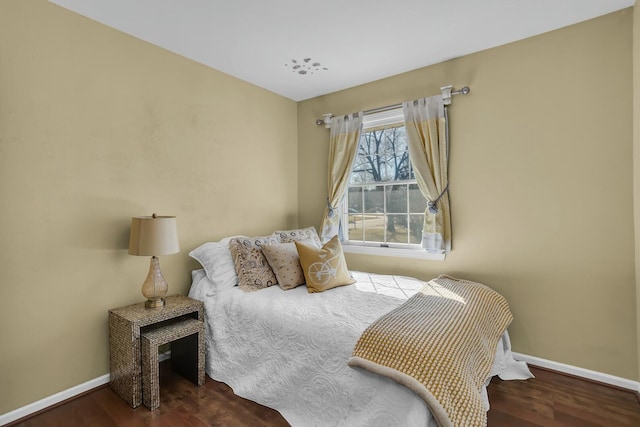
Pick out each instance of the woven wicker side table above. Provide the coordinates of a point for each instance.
(125, 327)
(186, 335)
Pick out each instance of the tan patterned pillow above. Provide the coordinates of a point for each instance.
(252, 268)
(297, 235)
(285, 263)
(324, 268)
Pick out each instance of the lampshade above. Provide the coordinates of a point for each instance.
(153, 236)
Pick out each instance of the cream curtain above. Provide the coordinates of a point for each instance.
(343, 145)
(427, 132)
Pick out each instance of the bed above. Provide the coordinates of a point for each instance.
(288, 349)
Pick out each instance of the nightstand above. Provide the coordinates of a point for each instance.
(126, 324)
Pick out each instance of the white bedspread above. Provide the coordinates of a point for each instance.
(288, 350)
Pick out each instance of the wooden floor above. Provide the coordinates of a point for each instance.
(553, 399)
(550, 399)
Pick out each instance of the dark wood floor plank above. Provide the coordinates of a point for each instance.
(549, 400)
(119, 414)
(505, 420)
(586, 417)
(560, 400)
(518, 399)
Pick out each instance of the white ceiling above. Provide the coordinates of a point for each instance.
(354, 41)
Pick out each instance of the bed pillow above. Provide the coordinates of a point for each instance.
(215, 258)
(285, 263)
(324, 267)
(298, 235)
(252, 268)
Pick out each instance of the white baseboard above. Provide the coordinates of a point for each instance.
(34, 407)
(580, 372)
(52, 400)
(97, 382)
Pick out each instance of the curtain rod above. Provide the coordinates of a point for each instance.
(447, 93)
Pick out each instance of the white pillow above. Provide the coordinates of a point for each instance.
(215, 258)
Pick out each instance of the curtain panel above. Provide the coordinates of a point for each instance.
(427, 134)
(343, 146)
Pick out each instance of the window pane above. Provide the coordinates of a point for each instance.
(397, 229)
(403, 169)
(368, 164)
(385, 166)
(362, 171)
(355, 200)
(415, 227)
(374, 199)
(417, 202)
(374, 227)
(398, 155)
(356, 223)
(382, 156)
(397, 198)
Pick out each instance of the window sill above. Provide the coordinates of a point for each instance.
(393, 252)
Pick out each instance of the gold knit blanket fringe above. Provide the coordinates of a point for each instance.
(441, 344)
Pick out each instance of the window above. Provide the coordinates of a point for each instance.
(383, 207)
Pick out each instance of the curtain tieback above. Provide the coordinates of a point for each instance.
(433, 205)
(330, 209)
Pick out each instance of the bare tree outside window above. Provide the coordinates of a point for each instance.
(384, 202)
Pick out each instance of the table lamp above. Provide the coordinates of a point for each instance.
(153, 236)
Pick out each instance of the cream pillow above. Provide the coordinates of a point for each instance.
(285, 263)
(324, 268)
(251, 266)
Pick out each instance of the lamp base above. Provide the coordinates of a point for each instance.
(154, 303)
(155, 286)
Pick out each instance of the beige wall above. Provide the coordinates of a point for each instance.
(636, 162)
(541, 185)
(96, 127)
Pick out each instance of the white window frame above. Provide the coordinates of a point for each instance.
(403, 250)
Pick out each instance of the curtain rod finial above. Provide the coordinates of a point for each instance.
(325, 120)
(448, 92)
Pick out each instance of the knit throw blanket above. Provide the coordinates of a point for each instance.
(441, 344)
